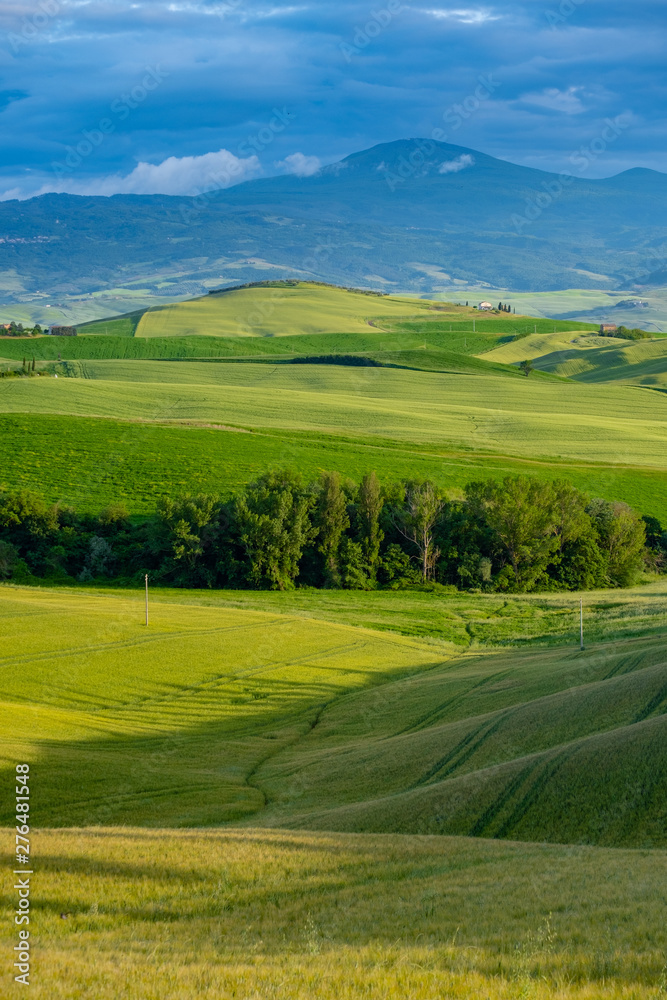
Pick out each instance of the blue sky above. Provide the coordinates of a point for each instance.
(101, 96)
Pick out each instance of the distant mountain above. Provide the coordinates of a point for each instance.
(413, 215)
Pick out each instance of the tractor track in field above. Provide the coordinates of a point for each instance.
(436, 714)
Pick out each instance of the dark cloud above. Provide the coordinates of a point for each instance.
(344, 76)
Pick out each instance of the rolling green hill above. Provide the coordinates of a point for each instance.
(294, 719)
(436, 392)
(90, 463)
(307, 308)
(522, 417)
(591, 359)
(261, 718)
(276, 311)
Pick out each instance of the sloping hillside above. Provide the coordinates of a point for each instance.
(288, 720)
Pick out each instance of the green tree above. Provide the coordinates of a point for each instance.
(274, 526)
(417, 522)
(369, 533)
(330, 520)
(526, 368)
(623, 539)
(353, 565)
(570, 520)
(188, 530)
(8, 558)
(522, 514)
(32, 525)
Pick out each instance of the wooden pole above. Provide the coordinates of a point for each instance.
(146, 579)
(581, 623)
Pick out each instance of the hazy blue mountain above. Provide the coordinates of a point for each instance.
(407, 215)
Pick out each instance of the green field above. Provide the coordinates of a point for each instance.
(90, 463)
(131, 914)
(311, 309)
(388, 717)
(136, 417)
(337, 794)
(591, 359)
(524, 417)
(276, 711)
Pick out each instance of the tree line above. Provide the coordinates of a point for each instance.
(18, 330)
(519, 534)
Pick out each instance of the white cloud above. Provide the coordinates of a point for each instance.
(299, 164)
(177, 175)
(460, 163)
(566, 101)
(465, 16)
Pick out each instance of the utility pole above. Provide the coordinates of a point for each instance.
(581, 623)
(146, 580)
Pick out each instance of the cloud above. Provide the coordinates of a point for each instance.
(460, 163)
(554, 99)
(184, 175)
(230, 63)
(468, 16)
(299, 164)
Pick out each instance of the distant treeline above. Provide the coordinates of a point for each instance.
(623, 333)
(293, 283)
(520, 534)
(18, 330)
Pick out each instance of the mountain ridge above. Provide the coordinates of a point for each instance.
(413, 215)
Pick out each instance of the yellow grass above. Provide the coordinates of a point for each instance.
(275, 312)
(161, 915)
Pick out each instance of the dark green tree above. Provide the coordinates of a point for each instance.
(521, 513)
(28, 522)
(330, 521)
(622, 536)
(370, 502)
(274, 527)
(187, 531)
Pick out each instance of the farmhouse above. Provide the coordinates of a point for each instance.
(63, 331)
(608, 328)
(485, 306)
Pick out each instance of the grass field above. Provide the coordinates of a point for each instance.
(590, 359)
(390, 710)
(451, 405)
(163, 915)
(386, 717)
(115, 326)
(269, 312)
(89, 463)
(613, 424)
(315, 309)
(274, 713)
(337, 794)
